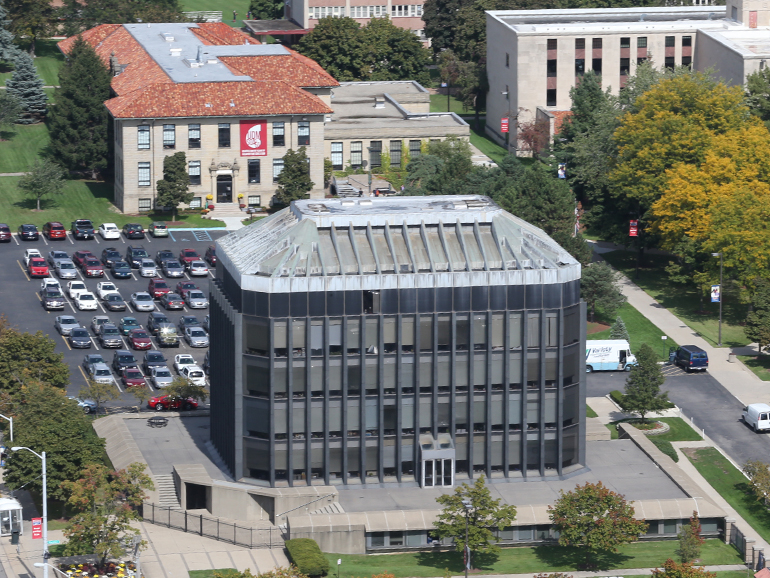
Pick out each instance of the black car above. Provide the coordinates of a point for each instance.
(121, 270)
(133, 231)
(109, 336)
(82, 229)
(123, 358)
(51, 298)
(163, 256)
(135, 254)
(154, 320)
(79, 338)
(28, 233)
(206, 363)
(153, 358)
(110, 255)
(114, 302)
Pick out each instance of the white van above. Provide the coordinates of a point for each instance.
(757, 416)
(609, 355)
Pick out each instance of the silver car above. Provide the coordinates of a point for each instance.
(55, 256)
(161, 376)
(198, 268)
(196, 337)
(66, 269)
(173, 268)
(196, 299)
(142, 301)
(147, 268)
(65, 324)
(100, 372)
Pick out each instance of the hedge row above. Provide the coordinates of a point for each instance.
(305, 554)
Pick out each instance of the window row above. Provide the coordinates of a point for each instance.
(625, 65)
(252, 165)
(251, 201)
(356, 158)
(223, 132)
(625, 42)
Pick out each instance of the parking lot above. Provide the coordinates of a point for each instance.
(20, 299)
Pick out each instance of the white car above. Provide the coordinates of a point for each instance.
(75, 288)
(161, 376)
(29, 254)
(142, 301)
(109, 231)
(183, 360)
(194, 374)
(50, 282)
(86, 301)
(104, 288)
(198, 268)
(147, 268)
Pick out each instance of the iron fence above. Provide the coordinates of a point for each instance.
(212, 527)
(737, 539)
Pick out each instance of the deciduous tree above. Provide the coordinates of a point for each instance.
(294, 181)
(642, 394)
(690, 540)
(26, 85)
(10, 109)
(758, 94)
(32, 19)
(394, 53)
(685, 570)
(594, 519)
(484, 514)
(106, 505)
(28, 357)
(759, 478)
(757, 327)
(99, 392)
(599, 287)
(173, 189)
(337, 45)
(142, 394)
(185, 389)
(266, 9)
(44, 178)
(76, 17)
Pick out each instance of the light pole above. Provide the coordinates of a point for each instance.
(467, 505)
(369, 150)
(10, 419)
(45, 508)
(339, 563)
(721, 262)
(46, 565)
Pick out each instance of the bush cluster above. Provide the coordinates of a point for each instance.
(307, 556)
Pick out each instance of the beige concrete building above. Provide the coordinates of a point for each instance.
(534, 57)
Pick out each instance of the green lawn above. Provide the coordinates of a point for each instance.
(20, 146)
(233, 572)
(438, 103)
(684, 302)
(733, 486)
(590, 412)
(641, 330)
(226, 6)
(48, 60)
(490, 148)
(760, 365)
(680, 430)
(80, 199)
(525, 560)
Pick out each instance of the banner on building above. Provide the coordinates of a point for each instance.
(716, 293)
(37, 528)
(253, 138)
(633, 228)
(504, 124)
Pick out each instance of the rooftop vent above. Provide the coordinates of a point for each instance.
(365, 202)
(167, 36)
(318, 207)
(379, 102)
(347, 203)
(176, 52)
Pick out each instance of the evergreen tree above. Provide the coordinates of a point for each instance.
(758, 320)
(758, 94)
(642, 394)
(78, 122)
(294, 181)
(26, 85)
(619, 331)
(173, 189)
(10, 109)
(8, 50)
(599, 288)
(266, 9)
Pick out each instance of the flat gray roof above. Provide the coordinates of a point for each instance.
(372, 89)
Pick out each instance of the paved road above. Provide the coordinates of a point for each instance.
(703, 399)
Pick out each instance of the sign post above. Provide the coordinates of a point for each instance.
(633, 228)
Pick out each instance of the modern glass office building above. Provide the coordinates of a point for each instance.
(402, 340)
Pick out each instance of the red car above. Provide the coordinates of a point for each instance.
(54, 230)
(132, 377)
(158, 287)
(79, 257)
(139, 339)
(184, 286)
(187, 256)
(5, 233)
(92, 267)
(37, 267)
(164, 402)
(211, 255)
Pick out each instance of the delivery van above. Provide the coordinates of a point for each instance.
(609, 355)
(757, 416)
(690, 358)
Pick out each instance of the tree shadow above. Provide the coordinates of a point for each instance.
(453, 561)
(30, 203)
(101, 190)
(6, 135)
(571, 557)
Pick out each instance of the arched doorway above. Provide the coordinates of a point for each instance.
(224, 188)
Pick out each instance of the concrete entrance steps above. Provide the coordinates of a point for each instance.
(345, 190)
(164, 484)
(333, 508)
(227, 210)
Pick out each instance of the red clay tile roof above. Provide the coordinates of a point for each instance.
(287, 67)
(561, 116)
(221, 34)
(258, 98)
(93, 36)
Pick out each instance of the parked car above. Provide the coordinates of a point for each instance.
(121, 270)
(92, 267)
(110, 337)
(142, 301)
(28, 233)
(54, 230)
(173, 268)
(167, 335)
(181, 360)
(123, 358)
(104, 288)
(206, 325)
(690, 358)
(79, 338)
(66, 269)
(30, 254)
(211, 255)
(187, 256)
(90, 359)
(171, 301)
(65, 323)
(100, 372)
(196, 337)
(37, 267)
(82, 229)
(152, 359)
(194, 374)
(165, 402)
(188, 321)
(161, 376)
(163, 255)
(184, 286)
(132, 377)
(206, 363)
(109, 231)
(74, 288)
(50, 282)
(154, 320)
(196, 300)
(158, 287)
(757, 416)
(139, 339)
(5, 233)
(55, 255)
(147, 268)
(133, 231)
(135, 254)
(110, 255)
(158, 229)
(86, 301)
(114, 302)
(79, 257)
(87, 405)
(51, 298)
(128, 324)
(99, 321)
(198, 269)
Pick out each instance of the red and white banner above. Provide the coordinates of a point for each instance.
(37, 528)
(633, 228)
(504, 125)
(253, 138)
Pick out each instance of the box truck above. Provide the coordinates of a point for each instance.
(609, 355)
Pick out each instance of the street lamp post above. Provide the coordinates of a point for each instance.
(45, 508)
(10, 420)
(721, 292)
(369, 150)
(467, 505)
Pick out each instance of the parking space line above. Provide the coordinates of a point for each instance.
(64, 339)
(23, 270)
(122, 240)
(94, 342)
(172, 236)
(97, 240)
(186, 276)
(69, 238)
(13, 236)
(44, 241)
(146, 238)
(83, 373)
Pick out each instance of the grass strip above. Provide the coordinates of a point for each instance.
(760, 365)
(590, 412)
(641, 330)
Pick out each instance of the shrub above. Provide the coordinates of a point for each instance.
(617, 397)
(307, 556)
(666, 448)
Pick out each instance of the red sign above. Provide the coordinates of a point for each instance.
(503, 125)
(253, 138)
(633, 228)
(37, 528)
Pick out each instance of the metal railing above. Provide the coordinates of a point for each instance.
(304, 505)
(212, 527)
